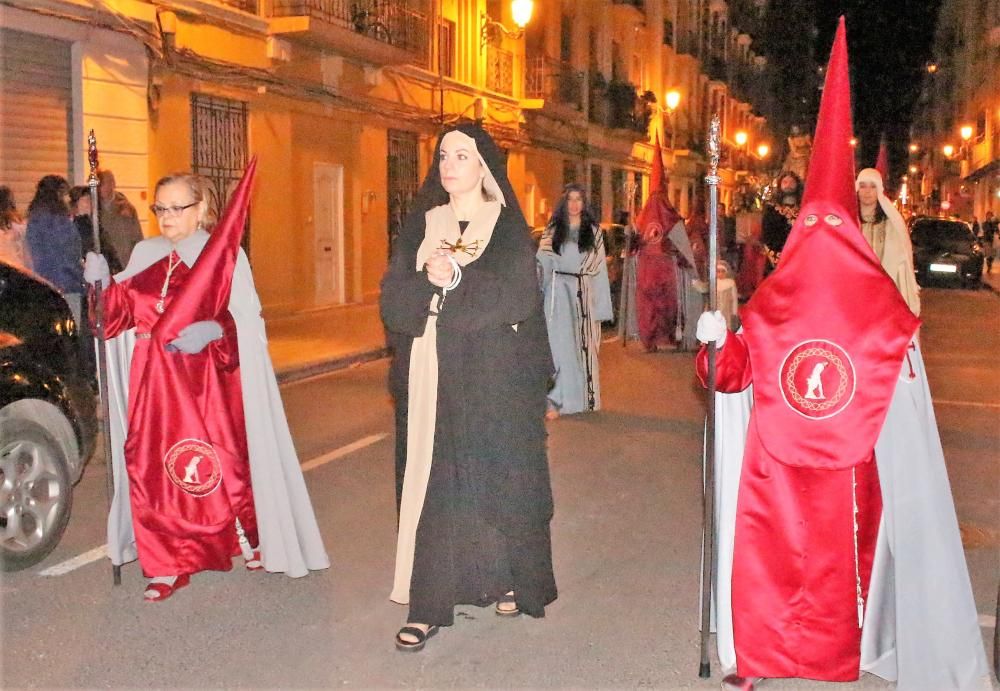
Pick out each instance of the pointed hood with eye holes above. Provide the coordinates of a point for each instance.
(827, 330)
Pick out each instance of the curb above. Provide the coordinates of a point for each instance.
(312, 369)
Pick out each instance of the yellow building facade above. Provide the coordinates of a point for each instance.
(341, 102)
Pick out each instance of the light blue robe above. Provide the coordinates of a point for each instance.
(577, 299)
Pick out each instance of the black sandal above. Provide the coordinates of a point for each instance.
(507, 599)
(417, 645)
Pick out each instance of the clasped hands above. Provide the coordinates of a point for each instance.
(440, 268)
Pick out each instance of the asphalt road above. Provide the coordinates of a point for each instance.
(626, 549)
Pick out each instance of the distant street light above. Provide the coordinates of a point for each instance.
(913, 170)
(853, 141)
(948, 150)
(740, 138)
(672, 99)
(914, 148)
(763, 150)
(966, 132)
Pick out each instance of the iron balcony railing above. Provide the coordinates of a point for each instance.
(554, 79)
(389, 21)
(500, 70)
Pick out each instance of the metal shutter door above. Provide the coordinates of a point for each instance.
(36, 99)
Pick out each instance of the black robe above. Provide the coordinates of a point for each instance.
(484, 527)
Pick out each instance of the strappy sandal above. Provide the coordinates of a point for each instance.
(254, 564)
(158, 592)
(421, 636)
(507, 599)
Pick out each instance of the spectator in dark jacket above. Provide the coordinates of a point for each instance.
(54, 242)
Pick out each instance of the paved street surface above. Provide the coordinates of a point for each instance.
(626, 539)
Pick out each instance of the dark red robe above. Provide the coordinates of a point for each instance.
(183, 509)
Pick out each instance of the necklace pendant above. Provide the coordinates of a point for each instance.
(159, 306)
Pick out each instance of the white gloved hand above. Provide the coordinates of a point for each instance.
(95, 269)
(712, 327)
(195, 336)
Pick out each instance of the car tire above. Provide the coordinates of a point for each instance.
(36, 495)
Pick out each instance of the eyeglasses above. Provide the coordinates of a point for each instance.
(160, 211)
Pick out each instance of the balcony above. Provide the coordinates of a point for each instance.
(554, 80)
(500, 70)
(376, 31)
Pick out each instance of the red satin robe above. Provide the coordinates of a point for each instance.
(656, 293)
(177, 528)
(794, 587)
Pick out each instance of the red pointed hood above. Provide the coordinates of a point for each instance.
(206, 292)
(828, 329)
(882, 160)
(657, 180)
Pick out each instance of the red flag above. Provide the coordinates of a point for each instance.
(173, 438)
(827, 331)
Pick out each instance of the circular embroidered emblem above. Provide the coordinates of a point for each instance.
(817, 379)
(192, 465)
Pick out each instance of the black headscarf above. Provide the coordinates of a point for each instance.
(432, 192)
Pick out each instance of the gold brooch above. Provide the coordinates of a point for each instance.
(470, 249)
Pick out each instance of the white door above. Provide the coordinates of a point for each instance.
(328, 231)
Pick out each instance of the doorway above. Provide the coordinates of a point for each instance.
(328, 232)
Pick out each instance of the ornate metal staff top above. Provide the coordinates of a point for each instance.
(713, 151)
(92, 157)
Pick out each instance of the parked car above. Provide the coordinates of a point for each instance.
(945, 250)
(48, 423)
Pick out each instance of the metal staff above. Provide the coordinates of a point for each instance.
(102, 353)
(623, 297)
(708, 502)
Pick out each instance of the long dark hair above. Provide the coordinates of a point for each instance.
(879, 213)
(8, 209)
(560, 221)
(49, 196)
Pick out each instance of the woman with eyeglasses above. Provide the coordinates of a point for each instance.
(269, 518)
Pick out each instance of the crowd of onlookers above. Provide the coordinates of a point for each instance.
(53, 237)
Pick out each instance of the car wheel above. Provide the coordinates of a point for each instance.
(35, 493)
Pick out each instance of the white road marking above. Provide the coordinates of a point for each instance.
(64, 567)
(76, 562)
(343, 451)
(966, 404)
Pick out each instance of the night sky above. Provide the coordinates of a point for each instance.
(889, 42)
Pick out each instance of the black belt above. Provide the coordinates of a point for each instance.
(567, 273)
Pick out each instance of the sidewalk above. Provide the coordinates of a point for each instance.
(991, 279)
(310, 343)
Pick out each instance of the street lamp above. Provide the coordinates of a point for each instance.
(672, 99)
(740, 138)
(966, 132)
(914, 148)
(948, 150)
(520, 11)
(763, 150)
(913, 170)
(853, 142)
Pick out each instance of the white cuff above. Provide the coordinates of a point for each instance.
(456, 275)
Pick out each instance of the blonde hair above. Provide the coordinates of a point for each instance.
(201, 192)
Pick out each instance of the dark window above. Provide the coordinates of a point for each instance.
(668, 32)
(566, 38)
(596, 187)
(638, 193)
(446, 47)
(219, 146)
(619, 199)
(571, 172)
(403, 179)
